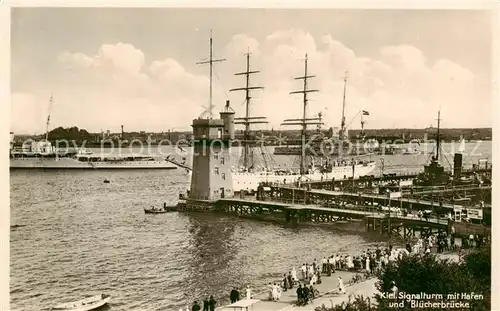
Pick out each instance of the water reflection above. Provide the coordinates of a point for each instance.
(214, 248)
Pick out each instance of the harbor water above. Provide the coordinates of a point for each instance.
(73, 235)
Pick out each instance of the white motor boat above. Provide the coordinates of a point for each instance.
(86, 304)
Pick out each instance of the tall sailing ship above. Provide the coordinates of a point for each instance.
(247, 178)
(335, 145)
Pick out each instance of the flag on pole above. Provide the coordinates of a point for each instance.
(366, 113)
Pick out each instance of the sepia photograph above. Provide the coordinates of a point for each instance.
(250, 158)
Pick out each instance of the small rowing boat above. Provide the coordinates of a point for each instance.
(155, 210)
(86, 304)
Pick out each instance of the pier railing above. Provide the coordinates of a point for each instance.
(369, 209)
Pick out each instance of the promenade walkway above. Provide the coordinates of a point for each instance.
(326, 288)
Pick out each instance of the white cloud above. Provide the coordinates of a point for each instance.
(400, 87)
(241, 44)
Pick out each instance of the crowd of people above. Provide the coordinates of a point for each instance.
(208, 305)
(369, 261)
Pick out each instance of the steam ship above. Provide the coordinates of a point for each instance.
(42, 155)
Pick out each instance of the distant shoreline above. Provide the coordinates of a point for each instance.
(127, 145)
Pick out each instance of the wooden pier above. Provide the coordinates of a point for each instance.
(291, 213)
(294, 205)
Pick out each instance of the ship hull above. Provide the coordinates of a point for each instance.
(250, 181)
(69, 163)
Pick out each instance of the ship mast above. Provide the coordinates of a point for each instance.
(342, 122)
(304, 121)
(362, 134)
(438, 138)
(211, 62)
(48, 119)
(247, 119)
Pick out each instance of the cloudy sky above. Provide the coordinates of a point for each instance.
(137, 67)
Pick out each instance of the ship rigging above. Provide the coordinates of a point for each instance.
(304, 121)
(247, 120)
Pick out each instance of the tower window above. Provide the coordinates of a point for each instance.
(216, 156)
(216, 171)
(223, 176)
(222, 161)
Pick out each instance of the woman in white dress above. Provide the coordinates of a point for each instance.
(314, 279)
(367, 264)
(341, 285)
(275, 292)
(350, 264)
(270, 289)
(249, 292)
(294, 274)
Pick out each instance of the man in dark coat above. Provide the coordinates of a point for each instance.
(233, 294)
(305, 294)
(237, 294)
(205, 304)
(285, 283)
(299, 295)
(290, 281)
(212, 303)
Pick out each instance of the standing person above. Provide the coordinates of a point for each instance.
(205, 304)
(341, 285)
(285, 283)
(275, 292)
(270, 291)
(237, 294)
(329, 267)
(249, 292)
(294, 274)
(303, 269)
(299, 295)
(311, 271)
(212, 303)
(350, 264)
(290, 279)
(312, 293)
(305, 294)
(313, 280)
(318, 276)
(323, 265)
(331, 263)
(232, 296)
(394, 288)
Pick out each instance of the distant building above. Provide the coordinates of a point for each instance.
(12, 140)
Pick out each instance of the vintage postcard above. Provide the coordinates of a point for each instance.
(265, 157)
